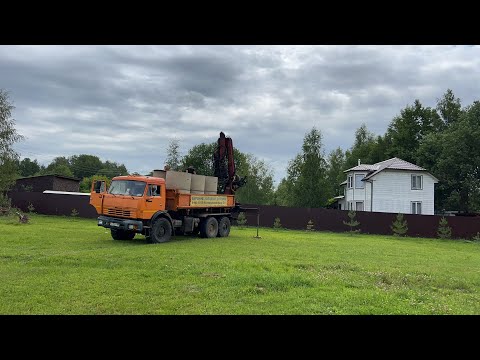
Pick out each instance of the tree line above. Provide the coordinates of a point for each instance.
(84, 167)
(443, 140)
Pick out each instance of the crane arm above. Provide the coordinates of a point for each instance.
(224, 166)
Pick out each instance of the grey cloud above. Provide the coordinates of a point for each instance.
(103, 99)
(201, 74)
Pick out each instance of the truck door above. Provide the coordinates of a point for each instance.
(154, 201)
(97, 193)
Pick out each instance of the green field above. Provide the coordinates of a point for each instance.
(62, 265)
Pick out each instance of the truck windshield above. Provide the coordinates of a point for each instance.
(127, 187)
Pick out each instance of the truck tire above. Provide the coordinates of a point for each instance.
(209, 228)
(122, 234)
(161, 231)
(224, 227)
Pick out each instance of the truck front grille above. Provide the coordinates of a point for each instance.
(118, 212)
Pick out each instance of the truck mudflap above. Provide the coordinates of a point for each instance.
(121, 224)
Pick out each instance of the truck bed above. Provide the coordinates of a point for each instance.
(176, 201)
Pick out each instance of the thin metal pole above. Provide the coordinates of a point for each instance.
(258, 223)
(258, 220)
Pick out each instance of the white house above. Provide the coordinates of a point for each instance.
(393, 186)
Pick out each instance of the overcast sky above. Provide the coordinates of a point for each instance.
(125, 103)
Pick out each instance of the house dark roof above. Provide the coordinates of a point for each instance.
(47, 182)
(393, 164)
(59, 176)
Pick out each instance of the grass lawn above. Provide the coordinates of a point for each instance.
(62, 265)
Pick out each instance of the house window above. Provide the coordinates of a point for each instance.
(350, 205)
(416, 207)
(416, 182)
(350, 181)
(359, 206)
(359, 184)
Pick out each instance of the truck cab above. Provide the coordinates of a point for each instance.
(129, 204)
(134, 197)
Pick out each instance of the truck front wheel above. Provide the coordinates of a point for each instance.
(161, 231)
(224, 227)
(122, 234)
(209, 227)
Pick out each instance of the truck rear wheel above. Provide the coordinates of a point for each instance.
(161, 231)
(209, 228)
(118, 234)
(224, 227)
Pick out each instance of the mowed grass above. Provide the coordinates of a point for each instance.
(60, 265)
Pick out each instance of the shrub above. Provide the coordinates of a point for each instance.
(12, 211)
(4, 211)
(444, 231)
(74, 213)
(276, 223)
(476, 238)
(399, 226)
(310, 226)
(242, 219)
(352, 223)
(31, 208)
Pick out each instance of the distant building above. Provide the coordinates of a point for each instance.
(393, 186)
(47, 182)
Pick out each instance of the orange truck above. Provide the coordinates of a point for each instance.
(146, 205)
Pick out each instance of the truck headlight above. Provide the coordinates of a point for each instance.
(130, 227)
(100, 222)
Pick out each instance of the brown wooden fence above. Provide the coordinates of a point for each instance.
(290, 218)
(463, 227)
(54, 204)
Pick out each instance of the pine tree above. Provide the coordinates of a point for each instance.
(476, 238)
(399, 226)
(276, 223)
(173, 155)
(307, 172)
(444, 231)
(241, 220)
(310, 226)
(352, 223)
